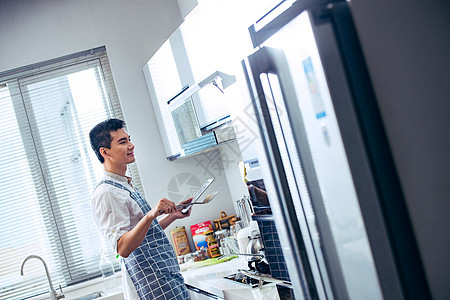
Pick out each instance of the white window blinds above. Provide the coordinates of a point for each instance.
(49, 171)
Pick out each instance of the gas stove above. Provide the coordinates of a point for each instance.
(246, 280)
(256, 279)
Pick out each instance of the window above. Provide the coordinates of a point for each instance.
(49, 170)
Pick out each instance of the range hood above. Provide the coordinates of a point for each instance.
(194, 137)
(188, 91)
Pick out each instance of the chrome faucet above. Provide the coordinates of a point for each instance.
(53, 294)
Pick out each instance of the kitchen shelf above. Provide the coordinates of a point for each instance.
(222, 136)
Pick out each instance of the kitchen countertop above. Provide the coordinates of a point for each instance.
(210, 279)
(207, 278)
(92, 289)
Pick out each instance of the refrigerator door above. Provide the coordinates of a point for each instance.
(310, 186)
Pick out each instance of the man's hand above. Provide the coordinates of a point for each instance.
(173, 214)
(178, 214)
(130, 240)
(164, 206)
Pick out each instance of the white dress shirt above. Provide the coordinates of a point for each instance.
(116, 213)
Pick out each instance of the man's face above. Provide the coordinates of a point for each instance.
(122, 150)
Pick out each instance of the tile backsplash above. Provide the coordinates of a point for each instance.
(274, 254)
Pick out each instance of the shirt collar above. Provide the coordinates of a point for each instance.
(118, 177)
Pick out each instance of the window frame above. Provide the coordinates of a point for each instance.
(61, 248)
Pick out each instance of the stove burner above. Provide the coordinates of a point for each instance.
(246, 280)
(259, 266)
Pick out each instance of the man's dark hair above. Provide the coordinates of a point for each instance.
(100, 135)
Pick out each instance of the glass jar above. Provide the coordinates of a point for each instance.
(213, 245)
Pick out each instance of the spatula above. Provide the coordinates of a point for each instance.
(205, 201)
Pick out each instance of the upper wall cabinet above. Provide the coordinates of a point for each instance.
(189, 77)
(188, 112)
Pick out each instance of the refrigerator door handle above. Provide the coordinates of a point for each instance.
(272, 61)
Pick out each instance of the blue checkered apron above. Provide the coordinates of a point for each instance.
(153, 266)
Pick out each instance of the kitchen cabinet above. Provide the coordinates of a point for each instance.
(193, 54)
(186, 110)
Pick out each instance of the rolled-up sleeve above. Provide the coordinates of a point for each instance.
(111, 213)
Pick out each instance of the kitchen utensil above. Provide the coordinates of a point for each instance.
(198, 194)
(205, 201)
(221, 235)
(232, 245)
(234, 229)
(254, 246)
(245, 209)
(224, 222)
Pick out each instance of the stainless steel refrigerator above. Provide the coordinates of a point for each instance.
(324, 157)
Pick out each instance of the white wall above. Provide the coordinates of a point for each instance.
(406, 44)
(35, 31)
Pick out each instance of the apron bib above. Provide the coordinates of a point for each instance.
(153, 266)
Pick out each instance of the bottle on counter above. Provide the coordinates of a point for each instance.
(213, 245)
(221, 235)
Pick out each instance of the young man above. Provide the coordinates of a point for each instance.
(149, 264)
